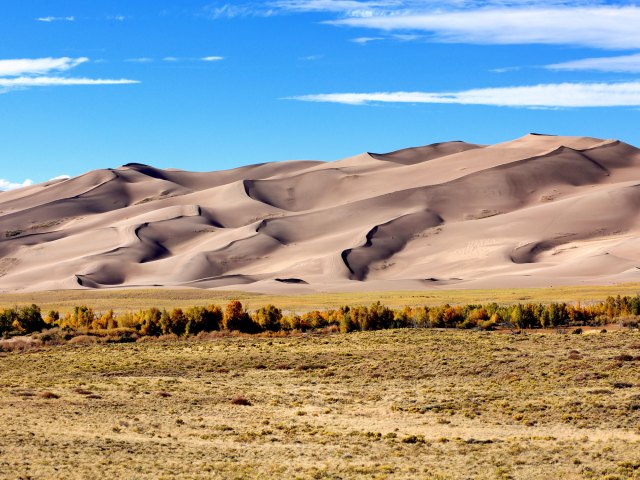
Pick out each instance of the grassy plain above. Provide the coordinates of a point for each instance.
(135, 299)
(386, 404)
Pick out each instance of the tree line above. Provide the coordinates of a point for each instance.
(234, 317)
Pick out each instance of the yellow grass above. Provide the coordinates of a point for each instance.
(134, 299)
(382, 405)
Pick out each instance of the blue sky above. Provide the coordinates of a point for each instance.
(205, 85)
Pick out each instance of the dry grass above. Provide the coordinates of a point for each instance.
(135, 299)
(388, 404)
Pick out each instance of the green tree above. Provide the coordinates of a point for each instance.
(150, 322)
(269, 318)
(203, 319)
(29, 320)
(346, 324)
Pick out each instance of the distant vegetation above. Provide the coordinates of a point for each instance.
(234, 317)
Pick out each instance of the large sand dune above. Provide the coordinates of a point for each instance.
(536, 211)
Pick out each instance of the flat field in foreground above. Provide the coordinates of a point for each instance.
(135, 299)
(386, 404)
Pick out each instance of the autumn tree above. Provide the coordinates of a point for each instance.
(236, 318)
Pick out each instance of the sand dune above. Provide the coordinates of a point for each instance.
(536, 211)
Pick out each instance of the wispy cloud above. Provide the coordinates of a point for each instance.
(170, 59)
(37, 66)
(6, 185)
(556, 95)
(311, 58)
(587, 23)
(348, 7)
(41, 72)
(55, 19)
(52, 19)
(60, 177)
(619, 64)
(232, 10)
(506, 69)
(25, 82)
(140, 60)
(365, 40)
(608, 27)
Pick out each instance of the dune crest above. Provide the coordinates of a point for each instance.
(536, 211)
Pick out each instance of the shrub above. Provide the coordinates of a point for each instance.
(240, 400)
(49, 395)
(83, 340)
(18, 344)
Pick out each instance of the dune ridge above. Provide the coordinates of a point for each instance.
(536, 211)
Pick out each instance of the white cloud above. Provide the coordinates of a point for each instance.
(557, 95)
(610, 27)
(23, 82)
(210, 58)
(6, 185)
(311, 58)
(55, 19)
(38, 66)
(587, 23)
(407, 37)
(365, 40)
(39, 72)
(140, 60)
(621, 64)
(233, 10)
(505, 69)
(349, 7)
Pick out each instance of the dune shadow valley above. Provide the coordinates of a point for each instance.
(536, 211)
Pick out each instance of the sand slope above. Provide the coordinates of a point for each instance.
(539, 210)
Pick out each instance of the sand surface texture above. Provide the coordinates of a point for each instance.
(536, 211)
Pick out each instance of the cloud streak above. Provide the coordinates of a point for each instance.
(41, 72)
(352, 8)
(556, 95)
(365, 40)
(586, 23)
(606, 27)
(38, 66)
(25, 82)
(619, 64)
(56, 19)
